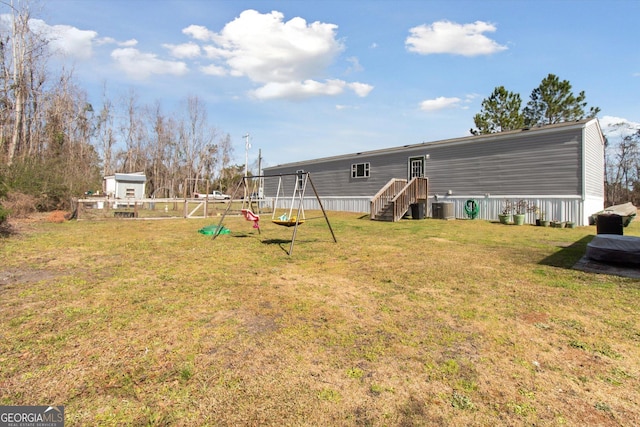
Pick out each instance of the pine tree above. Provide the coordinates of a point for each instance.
(554, 102)
(500, 112)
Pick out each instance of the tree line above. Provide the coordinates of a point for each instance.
(622, 169)
(55, 146)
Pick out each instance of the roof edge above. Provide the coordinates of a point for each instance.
(459, 140)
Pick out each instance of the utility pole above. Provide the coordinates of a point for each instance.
(246, 154)
(261, 183)
(246, 162)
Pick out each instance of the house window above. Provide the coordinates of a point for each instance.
(130, 192)
(360, 170)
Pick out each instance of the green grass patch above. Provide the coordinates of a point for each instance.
(133, 322)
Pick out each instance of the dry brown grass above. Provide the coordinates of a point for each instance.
(19, 205)
(57, 216)
(411, 323)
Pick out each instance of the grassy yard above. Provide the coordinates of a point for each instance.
(132, 322)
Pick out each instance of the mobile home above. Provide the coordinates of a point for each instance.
(559, 168)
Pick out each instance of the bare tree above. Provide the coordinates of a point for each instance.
(24, 57)
(131, 158)
(105, 134)
(197, 143)
(622, 165)
(224, 161)
(162, 152)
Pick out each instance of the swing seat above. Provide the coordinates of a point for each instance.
(290, 222)
(250, 216)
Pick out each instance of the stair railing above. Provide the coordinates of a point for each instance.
(386, 195)
(415, 191)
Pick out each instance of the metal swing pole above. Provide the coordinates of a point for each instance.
(293, 198)
(275, 203)
(321, 207)
(300, 202)
(233, 196)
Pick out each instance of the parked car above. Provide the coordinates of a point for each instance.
(215, 195)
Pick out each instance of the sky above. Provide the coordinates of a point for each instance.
(310, 79)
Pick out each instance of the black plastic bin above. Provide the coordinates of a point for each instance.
(418, 211)
(609, 224)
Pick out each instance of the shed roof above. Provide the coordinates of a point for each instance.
(131, 177)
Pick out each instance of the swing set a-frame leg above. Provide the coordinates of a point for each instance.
(300, 203)
(233, 197)
(324, 213)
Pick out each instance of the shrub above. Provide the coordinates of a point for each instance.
(20, 204)
(4, 214)
(41, 180)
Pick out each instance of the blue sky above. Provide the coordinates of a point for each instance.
(310, 79)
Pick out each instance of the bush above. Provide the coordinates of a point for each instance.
(39, 180)
(4, 214)
(20, 205)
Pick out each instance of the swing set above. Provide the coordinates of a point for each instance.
(293, 217)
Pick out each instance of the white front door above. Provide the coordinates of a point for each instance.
(416, 167)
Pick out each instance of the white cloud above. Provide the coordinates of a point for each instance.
(355, 66)
(298, 90)
(105, 40)
(285, 57)
(128, 43)
(361, 89)
(213, 70)
(346, 107)
(267, 49)
(616, 128)
(110, 40)
(184, 50)
(214, 52)
(66, 40)
(306, 89)
(199, 32)
(141, 65)
(450, 37)
(439, 103)
(71, 41)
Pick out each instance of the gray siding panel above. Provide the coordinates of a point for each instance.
(529, 163)
(333, 178)
(518, 166)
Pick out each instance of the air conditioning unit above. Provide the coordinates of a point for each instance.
(442, 210)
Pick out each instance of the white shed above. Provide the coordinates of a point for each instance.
(125, 185)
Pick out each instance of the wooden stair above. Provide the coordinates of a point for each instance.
(395, 198)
